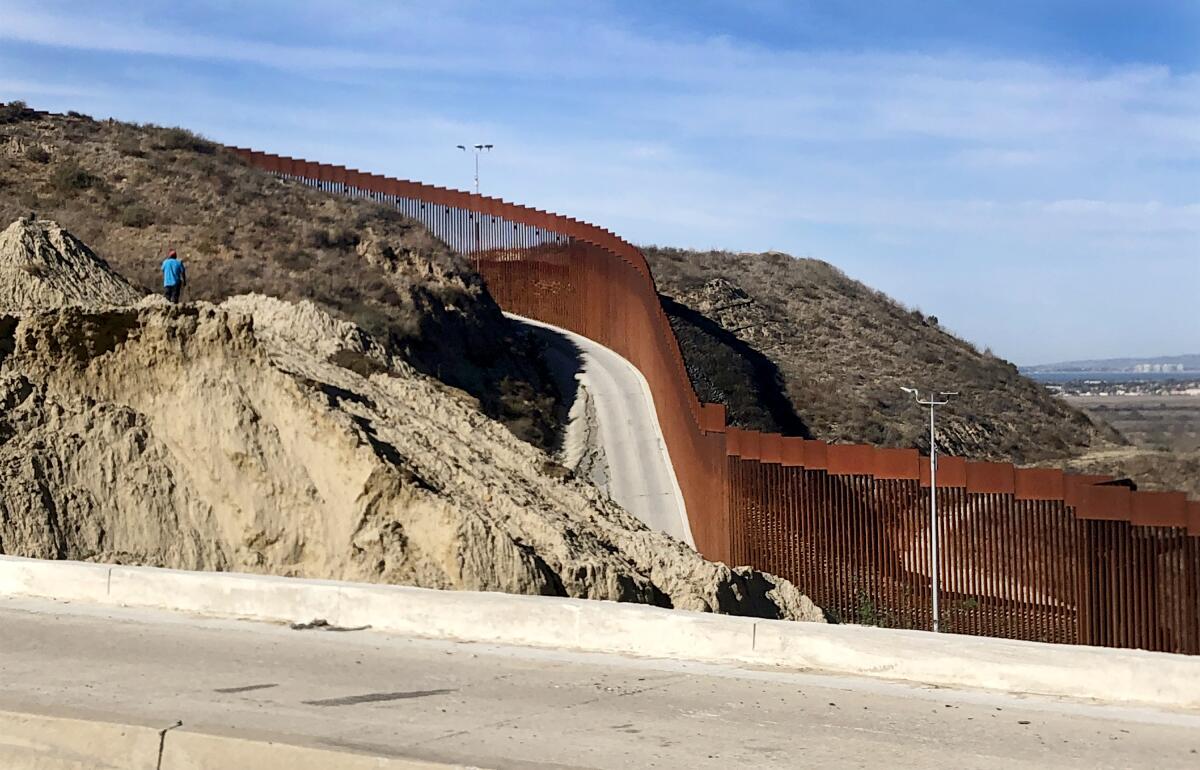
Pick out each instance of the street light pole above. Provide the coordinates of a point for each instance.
(478, 148)
(933, 403)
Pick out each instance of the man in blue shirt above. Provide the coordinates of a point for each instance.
(174, 276)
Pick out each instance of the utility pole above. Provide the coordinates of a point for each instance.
(478, 148)
(933, 403)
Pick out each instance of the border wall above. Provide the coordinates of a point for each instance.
(1025, 553)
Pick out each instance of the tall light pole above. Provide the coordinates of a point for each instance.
(933, 403)
(478, 148)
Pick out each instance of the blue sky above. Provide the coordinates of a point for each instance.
(1027, 171)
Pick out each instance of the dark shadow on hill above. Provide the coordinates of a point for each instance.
(501, 363)
(725, 370)
(559, 360)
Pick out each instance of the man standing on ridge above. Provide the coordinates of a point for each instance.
(174, 277)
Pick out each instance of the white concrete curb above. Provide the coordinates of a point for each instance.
(949, 660)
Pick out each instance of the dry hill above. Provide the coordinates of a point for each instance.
(131, 191)
(261, 435)
(794, 345)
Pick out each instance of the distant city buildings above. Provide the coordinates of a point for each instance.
(1157, 368)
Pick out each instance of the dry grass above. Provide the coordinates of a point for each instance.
(1157, 422)
(843, 350)
(1159, 470)
(132, 191)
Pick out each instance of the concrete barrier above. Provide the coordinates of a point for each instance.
(66, 580)
(35, 742)
(186, 750)
(40, 742)
(948, 660)
(227, 594)
(540, 621)
(1009, 665)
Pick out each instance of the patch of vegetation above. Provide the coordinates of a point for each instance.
(37, 154)
(339, 238)
(867, 614)
(130, 146)
(182, 139)
(136, 215)
(360, 364)
(69, 177)
(16, 112)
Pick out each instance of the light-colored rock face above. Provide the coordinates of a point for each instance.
(43, 266)
(266, 436)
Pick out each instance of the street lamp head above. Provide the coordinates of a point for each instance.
(909, 390)
(948, 393)
(461, 147)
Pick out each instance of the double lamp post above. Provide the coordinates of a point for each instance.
(933, 402)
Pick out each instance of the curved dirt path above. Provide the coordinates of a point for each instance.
(639, 474)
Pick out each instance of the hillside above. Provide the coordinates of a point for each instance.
(794, 345)
(266, 436)
(132, 191)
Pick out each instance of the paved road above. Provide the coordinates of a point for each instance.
(507, 707)
(641, 478)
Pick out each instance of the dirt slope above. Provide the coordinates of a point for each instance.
(131, 191)
(836, 354)
(267, 436)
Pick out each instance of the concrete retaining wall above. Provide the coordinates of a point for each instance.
(950, 660)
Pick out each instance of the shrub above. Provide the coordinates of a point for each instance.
(332, 238)
(71, 177)
(182, 139)
(360, 364)
(37, 154)
(136, 215)
(15, 112)
(130, 146)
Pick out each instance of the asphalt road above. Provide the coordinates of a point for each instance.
(641, 479)
(503, 707)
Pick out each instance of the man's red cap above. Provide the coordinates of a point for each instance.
(171, 253)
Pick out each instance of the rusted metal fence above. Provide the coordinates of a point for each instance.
(1026, 553)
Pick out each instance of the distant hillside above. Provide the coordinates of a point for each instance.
(1187, 363)
(795, 345)
(130, 191)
